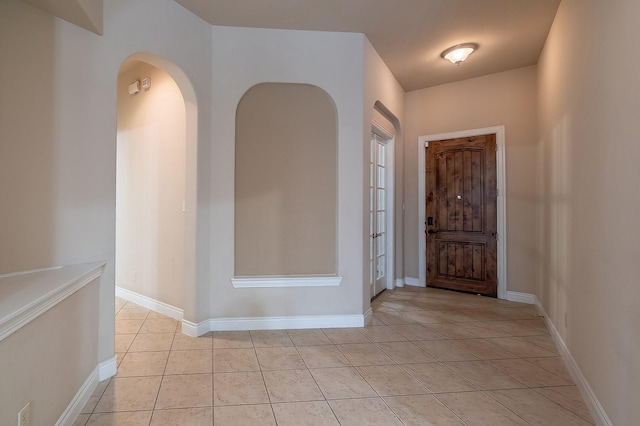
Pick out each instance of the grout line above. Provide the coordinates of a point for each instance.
(264, 382)
(566, 408)
(487, 394)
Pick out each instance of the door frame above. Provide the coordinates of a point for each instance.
(423, 142)
(390, 199)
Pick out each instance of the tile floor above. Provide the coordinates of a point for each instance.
(429, 357)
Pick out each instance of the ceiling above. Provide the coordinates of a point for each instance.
(409, 35)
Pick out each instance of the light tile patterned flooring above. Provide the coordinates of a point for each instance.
(428, 357)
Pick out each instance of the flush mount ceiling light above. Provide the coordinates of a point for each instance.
(459, 53)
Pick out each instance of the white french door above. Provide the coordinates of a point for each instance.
(378, 215)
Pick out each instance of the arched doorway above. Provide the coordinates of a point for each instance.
(156, 186)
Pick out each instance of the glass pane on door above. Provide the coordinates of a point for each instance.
(378, 212)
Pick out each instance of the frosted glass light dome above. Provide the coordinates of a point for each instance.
(459, 53)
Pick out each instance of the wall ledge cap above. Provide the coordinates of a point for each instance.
(26, 295)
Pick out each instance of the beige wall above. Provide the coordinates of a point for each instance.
(48, 370)
(58, 134)
(589, 199)
(508, 99)
(382, 91)
(285, 181)
(150, 186)
(245, 57)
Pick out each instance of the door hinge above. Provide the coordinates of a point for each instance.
(426, 144)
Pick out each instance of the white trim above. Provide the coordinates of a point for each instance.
(399, 282)
(595, 408)
(414, 282)
(108, 368)
(272, 282)
(194, 330)
(368, 316)
(70, 414)
(275, 323)
(423, 143)
(516, 296)
(149, 303)
(390, 162)
(501, 202)
(30, 271)
(279, 323)
(390, 209)
(59, 282)
(379, 130)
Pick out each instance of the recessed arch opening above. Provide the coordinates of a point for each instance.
(286, 168)
(156, 186)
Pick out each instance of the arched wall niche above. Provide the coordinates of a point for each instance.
(286, 167)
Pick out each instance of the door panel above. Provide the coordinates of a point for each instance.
(461, 214)
(378, 216)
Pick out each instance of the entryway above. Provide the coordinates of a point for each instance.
(461, 214)
(462, 217)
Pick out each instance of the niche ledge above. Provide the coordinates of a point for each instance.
(275, 282)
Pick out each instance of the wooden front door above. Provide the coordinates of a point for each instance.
(461, 214)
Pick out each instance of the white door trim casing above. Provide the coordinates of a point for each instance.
(501, 201)
(390, 199)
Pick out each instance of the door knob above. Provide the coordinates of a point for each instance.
(432, 231)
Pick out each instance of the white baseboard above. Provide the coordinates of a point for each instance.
(194, 330)
(279, 323)
(189, 328)
(275, 323)
(515, 296)
(589, 396)
(108, 368)
(368, 316)
(415, 282)
(149, 303)
(70, 414)
(399, 282)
